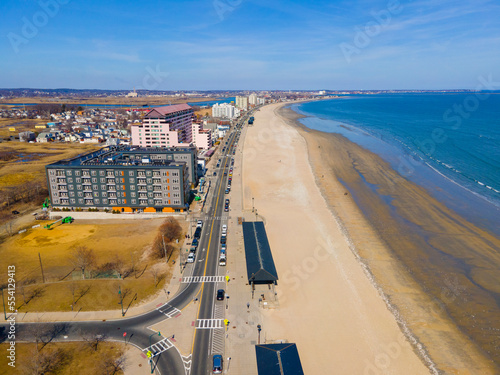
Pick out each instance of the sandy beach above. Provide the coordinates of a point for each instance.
(346, 297)
(328, 305)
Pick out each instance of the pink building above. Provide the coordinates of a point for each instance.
(201, 138)
(165, 127)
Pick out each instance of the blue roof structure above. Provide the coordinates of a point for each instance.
(278, 359)
(260, 263)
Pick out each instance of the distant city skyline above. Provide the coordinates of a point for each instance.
(250, 44)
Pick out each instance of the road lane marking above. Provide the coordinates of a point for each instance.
(209, 323)
(158, 347)
(203, 279)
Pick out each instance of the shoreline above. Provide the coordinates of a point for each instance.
(429, 309)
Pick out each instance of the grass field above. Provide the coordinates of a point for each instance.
(65, 358)
(119, 247)
(24, 168)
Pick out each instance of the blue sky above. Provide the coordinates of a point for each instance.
(249, 44)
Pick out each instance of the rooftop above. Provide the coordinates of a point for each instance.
(260, 263)
(123, 156)
(169, 109)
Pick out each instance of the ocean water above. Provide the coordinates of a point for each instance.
(447, 143)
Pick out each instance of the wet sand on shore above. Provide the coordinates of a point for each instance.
(438, 272)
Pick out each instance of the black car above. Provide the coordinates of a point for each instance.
(197, 233)
(220, 295)
(15, 212)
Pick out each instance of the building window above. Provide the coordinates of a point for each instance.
(102, 173)
(94, 180)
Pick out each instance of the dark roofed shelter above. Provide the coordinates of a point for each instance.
(278, 359)
(260, 263)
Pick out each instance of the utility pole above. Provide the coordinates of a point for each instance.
(259, 328)
(41, 267)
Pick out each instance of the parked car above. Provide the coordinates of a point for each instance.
(224, 227)
(220, 295)
(199, 224)
(222, 259)
(190, 258)
(217, 364)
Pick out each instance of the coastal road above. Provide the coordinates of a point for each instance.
(167, 359)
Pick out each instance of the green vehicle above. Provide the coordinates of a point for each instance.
(64, 220)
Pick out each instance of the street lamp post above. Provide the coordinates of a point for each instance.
(121, 298)
(151, 359)
(259, 328)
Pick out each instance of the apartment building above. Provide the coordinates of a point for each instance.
(167, 126)
(202, 138)
(126, 179)
(242, 102)
(225, 110)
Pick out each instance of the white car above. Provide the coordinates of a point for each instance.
(199, 224)
(224, 227)
(190, 258)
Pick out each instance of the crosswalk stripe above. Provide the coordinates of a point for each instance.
(209, 323)
(159, 347)
(203, 279)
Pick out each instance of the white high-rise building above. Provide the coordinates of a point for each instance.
(242, 102)
(252, 99)
(225, 110)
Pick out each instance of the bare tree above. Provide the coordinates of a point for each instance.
(94, 339)
(170, 229)
(155, 271)
(114, 364)
(83, 258)
(72, 288)
(40, 332)
(38, 363)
